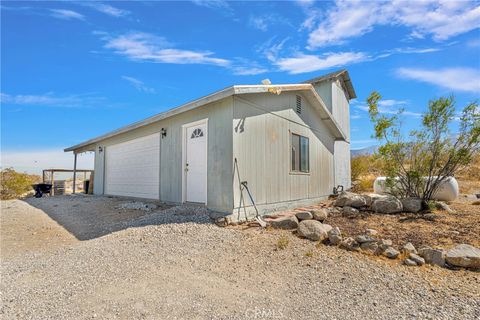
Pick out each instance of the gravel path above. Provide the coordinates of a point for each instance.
(170, 265)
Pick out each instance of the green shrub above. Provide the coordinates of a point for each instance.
(359, 166)
(15, 184)
(419, 161)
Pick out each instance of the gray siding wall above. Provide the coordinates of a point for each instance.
(262, 124)
(341, 112)
(341, 108)
(337, 102)
(324, 90)
(219, 164)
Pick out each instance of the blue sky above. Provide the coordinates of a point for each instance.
(74, 70)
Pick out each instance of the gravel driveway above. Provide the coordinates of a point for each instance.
(175, 264)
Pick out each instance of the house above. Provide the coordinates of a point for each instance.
(290, 143)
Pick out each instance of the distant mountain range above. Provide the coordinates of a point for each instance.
(364, 151)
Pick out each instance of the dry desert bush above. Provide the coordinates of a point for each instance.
(15, 184)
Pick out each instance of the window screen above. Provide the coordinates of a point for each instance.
(300, 153)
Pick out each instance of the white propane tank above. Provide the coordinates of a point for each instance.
(447, 191)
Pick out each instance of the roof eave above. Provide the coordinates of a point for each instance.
(183, 108)
(216, 96)
(343, 75)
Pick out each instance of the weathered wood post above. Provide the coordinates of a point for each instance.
(52, 181)
(74, 170)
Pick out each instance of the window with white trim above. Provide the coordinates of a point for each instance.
(300, 161)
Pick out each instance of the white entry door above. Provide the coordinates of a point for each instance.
(195, 162)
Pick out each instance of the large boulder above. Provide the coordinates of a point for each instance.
(417, 259)
(412, 204)
(465, 256)
(383, 244)
(320, 214)
(313, 230)
(370, 247)
(335, 236)
(391, 253)
(409, 262)
(409, 248)
(364, 238)
(284, 223)
(333, 211)
(350, 211)
(350, 199)
(369, 198)
(433, 256)
(387, 204)
(304, 215)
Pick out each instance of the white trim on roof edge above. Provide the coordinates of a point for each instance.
(219, 95)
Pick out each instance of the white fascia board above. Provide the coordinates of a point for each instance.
(310, 93)
(183, 108)
(315, 99)
(332, 124)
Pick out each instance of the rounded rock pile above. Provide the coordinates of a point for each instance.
(352, 203)
(310, 225)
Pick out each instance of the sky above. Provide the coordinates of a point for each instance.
(71, 71)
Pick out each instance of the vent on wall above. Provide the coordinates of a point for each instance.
(299, 104)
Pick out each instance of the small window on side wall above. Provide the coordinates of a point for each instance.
(300, 153)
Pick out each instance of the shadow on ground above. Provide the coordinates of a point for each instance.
(88, 217)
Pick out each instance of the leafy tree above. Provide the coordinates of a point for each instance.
(15, 184)
(416, 164)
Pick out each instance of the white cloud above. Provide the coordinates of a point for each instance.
(248, 70)
(150, 48)
(349, 19)
(246, 67)
(220, 5)
(301, 62)
(455, 79)
(212, 3)
(474, 43)
(34, 161)
(270, 49)
(312, 13)
(346, 20)
(138, 84)
(66, 14)
(50, 100)
(389, 106)
(106, 8)
(145, 47)
(260, 23)
(391, 102)
(264, 22)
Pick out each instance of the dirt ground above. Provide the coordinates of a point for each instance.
(28, 229)
(82, 258)
(38, 224)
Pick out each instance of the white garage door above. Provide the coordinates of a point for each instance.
(132, 168)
